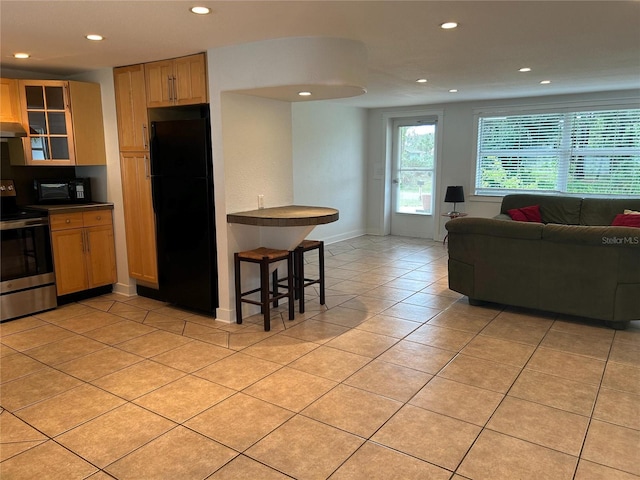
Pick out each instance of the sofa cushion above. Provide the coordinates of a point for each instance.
(626, 220)
(495, 228)
(553, 208)
(602, 211)
(526, 214)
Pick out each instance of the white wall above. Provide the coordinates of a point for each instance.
(256, 138)
(458, 151)
(106, 184)
(329, 165)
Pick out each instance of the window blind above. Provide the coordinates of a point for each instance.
(585, 152)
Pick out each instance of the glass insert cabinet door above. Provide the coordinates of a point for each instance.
(46, 109)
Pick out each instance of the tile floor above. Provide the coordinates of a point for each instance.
(396, 378)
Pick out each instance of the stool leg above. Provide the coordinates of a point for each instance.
(321, 271)
(274, 280)
(236, 264)
(300, 278)
(296, 280)
(264, 292)
(290, 283)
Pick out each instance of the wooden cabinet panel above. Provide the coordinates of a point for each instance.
(83, 250)
(65, 221)
(9, 101)
(88, 126)
(159, 83)
(69, 260)
(181, 81)
(131, 108)
(139, 217)
(101, 255)
(190, 83)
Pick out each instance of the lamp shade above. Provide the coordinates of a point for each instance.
(454, 194)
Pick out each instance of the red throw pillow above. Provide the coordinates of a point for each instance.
(623, 220)
(526, 214)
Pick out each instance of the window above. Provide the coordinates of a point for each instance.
(582, 152)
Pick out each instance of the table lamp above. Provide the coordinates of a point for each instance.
(454, 195)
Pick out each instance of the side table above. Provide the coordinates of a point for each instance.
(452, 215)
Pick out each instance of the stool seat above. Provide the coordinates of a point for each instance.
(265, 257)
(309, 244)
(258, 254)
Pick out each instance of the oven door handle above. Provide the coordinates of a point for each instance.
(16, 224)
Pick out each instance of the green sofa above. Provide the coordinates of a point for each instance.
(572, 263)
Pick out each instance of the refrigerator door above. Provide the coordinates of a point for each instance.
(181, 148)
(186, 242)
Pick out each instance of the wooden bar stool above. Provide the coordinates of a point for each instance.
(300, 280)
(264, 257)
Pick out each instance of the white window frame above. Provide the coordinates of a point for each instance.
(514, 110)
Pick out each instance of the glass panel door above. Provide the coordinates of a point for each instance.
(414, 168)
(49, 122)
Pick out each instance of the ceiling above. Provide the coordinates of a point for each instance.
(581, 46)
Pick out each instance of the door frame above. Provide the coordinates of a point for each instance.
(388, 119)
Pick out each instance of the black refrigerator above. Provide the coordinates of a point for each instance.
(182, 188)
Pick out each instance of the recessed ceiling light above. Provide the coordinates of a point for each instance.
(21, 55)
(304, 94)
(421, 80)
(545, 82)
(525, 69)
(95, 37)
(449, 25)
(453, 90)
(200, 10)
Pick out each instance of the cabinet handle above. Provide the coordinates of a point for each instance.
(146, 167)
(145, 142)
(175, 90)
(68, 220)
(99, 217)
(86, 234)
(169, 87)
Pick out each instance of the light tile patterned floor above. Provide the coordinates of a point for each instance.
(396, 378)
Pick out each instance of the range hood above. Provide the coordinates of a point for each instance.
(11, 130)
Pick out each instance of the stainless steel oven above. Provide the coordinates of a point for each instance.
(27, 281)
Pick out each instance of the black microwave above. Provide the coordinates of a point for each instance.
(67, 190)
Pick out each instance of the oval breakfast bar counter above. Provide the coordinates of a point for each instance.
(288, 216)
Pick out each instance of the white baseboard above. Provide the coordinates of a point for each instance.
(128, 290)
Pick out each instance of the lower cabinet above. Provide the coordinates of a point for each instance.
(83, 250)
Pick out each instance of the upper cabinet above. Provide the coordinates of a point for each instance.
(9, 101)
(180, 81)
(131, 108)
(64, 123)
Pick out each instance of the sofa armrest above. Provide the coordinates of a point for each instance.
(495, 228)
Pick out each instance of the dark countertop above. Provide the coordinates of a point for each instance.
(71, 208)
(287, 216)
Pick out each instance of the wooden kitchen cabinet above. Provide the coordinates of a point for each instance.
(131, 108)
(179, 81)
(139, 217)
(64, 123)
(83, 250)
(9, 101)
